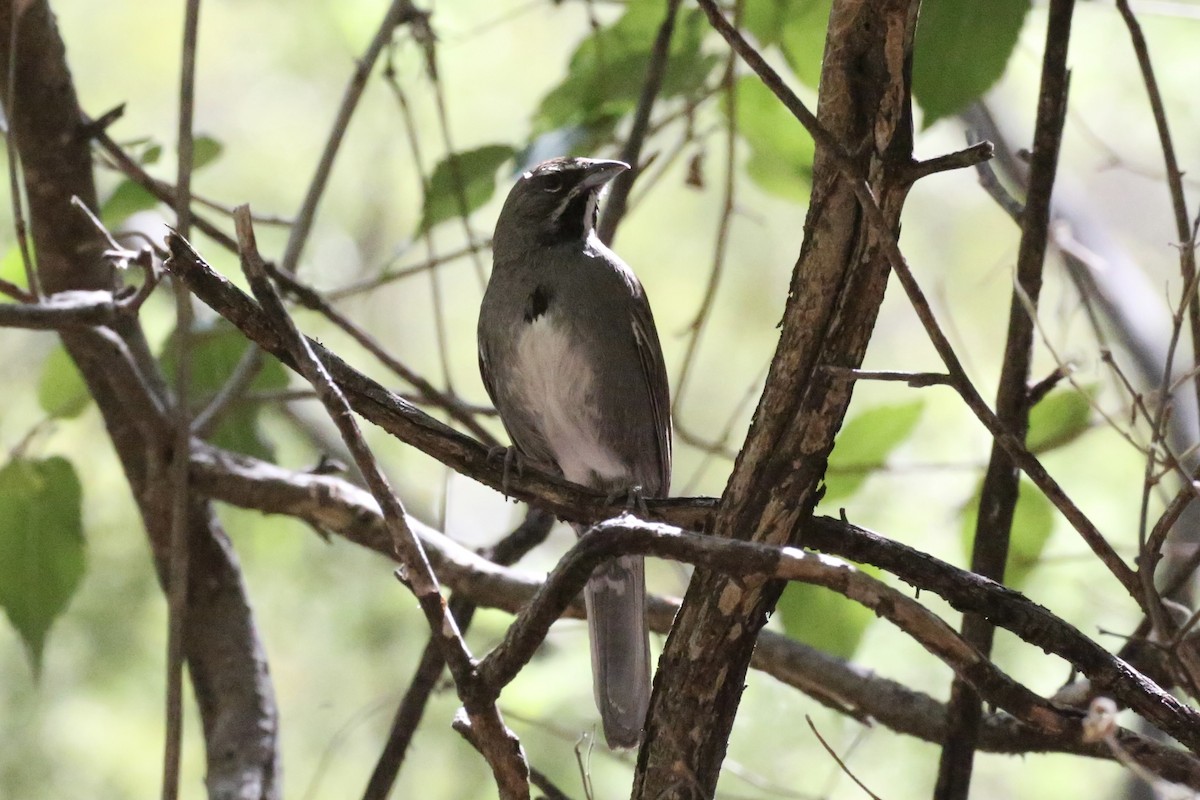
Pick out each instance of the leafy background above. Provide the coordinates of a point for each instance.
(80, 711)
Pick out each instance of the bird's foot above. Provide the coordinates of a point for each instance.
(512, 460)
(634, 500)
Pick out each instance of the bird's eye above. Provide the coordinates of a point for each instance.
(554, 184)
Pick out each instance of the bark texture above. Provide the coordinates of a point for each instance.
(225, 658)
(836, 290)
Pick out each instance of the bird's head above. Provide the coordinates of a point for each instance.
(554, 203)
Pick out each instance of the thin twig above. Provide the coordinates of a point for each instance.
(498, 745)
(631, 153)
(696, 327)
(14, 167)
(1183, 229)
(399, 12)
(916, 380)
(423, 33)
(384, 278)
(890, 249)
(177, 583)
(839, 761)
(418, 163)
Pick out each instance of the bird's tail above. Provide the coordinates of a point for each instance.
(616, 608)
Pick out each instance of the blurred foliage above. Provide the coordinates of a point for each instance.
(604, 79)
(781, 152)
(864, 444)
(961, 50)
(61, 391)
(41, 545)
(1060, 418)
(461, 183)
(1032, 525)
(216, 353)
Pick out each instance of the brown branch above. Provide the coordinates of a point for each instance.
(998, 495)
(631, 153)
(833, 300)
(178, 561)
(971, 156)
(495, 741)
(529, 534)
(398, 13)
(406, 422)
(1183, 227)
(61, 311)
(225, 656)
(749, 561)
(331, 504)
(916, 380)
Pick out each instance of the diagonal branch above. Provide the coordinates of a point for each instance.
(631, 153)
(998, 496)
(494, 740)
(332, 504)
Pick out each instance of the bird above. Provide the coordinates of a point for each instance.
(571, 359)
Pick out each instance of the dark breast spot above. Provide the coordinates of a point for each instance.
(538, 302)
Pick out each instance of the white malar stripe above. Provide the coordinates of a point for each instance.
(556, 386)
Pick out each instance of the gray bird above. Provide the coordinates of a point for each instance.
(570, 357)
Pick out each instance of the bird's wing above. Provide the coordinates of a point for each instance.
(649, 351)
(485, 371)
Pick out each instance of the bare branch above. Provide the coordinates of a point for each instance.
(631, 153)
(998, 495)
(488, 732)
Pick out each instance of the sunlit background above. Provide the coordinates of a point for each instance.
(342, 635)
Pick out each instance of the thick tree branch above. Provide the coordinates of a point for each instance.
(227, 664)
(333, 505)
(834, 297)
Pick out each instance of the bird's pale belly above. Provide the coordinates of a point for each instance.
(556, 386)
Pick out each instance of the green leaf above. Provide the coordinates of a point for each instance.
(1033, 523)
(961, 49)
(607, 69)
(864, 444)
(61, 391)
(41, 546)
(781, 151)
(216, 352)
(798, 27)
(12, 269)
(1060, 418)
(205, 150)
(125, 201)
(151, 154)
(823, 619)
(475, 170)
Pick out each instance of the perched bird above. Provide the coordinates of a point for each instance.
(571, 358)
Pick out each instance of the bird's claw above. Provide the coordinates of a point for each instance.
(511, 460)
(634, 499)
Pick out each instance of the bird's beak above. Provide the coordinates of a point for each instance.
(599, 172)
